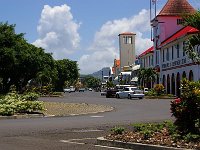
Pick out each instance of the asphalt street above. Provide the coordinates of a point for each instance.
(79, 132)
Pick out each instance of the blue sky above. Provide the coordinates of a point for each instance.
(82, 30)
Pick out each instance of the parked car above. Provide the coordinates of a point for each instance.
(146, 90)
(81, 90)
(111, 92)
(72, 89)
(136, 94)
(125, 92)
(90, 89)
(103, 92)
(67, 90)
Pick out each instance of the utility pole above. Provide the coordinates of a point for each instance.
(102, 74)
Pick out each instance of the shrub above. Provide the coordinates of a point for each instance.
(186, 109)
(117, 130)
(159, 89)
(30, 96)
(147, 129)
(15, 103)
(6, 110)
(191, 137)
(151, 92)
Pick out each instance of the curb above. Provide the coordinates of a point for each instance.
(26, 116)
(22, 116)
(135, 146)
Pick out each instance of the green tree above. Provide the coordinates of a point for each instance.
(20, 61)
(67, 73)
(146, 76)
(8, 40)
(48, 74)
(194, 40)
(92, 82)
(110, 84)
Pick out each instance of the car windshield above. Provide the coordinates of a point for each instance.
(135, 88)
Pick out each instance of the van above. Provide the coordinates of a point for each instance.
(146, 90)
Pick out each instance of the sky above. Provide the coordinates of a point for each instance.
(85, 31)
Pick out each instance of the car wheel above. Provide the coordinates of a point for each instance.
(129, 96)
(140, 97)
(117, 96)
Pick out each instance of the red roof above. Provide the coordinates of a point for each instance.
(184, 31)
(176, 8)
(117, 62)
(150, 50)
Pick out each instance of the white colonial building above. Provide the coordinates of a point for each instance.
(169, 58)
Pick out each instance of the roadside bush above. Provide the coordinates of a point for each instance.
(117, 130)
(41, 90)
(30, 96)
(159, 89)
(186, 109)
(15, 103)
(148, 129)
(151, 92)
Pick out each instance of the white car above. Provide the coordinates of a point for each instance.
(136, 94)
(67, 90)
(146, 90)
(125, 92)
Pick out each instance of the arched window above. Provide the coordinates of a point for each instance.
(183, 75)
(191, 76)
(178, 84)
(157, 80)
(173, 84)
(163, 81)
(168, 84)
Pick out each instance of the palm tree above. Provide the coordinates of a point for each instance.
(193, 41)
(141, 76)
(150, 76)
(146, 77)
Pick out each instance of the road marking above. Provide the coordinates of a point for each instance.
(87, 130)
(96, 116)
(111, 147)
(66, 141)
(72, 141)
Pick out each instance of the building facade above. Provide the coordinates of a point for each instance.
(168, 40)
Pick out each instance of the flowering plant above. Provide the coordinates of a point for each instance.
(186, 109)
(159, 89)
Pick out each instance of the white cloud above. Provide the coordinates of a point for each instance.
(58, 32)
(105, 46)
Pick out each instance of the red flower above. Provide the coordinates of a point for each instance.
(177, 101)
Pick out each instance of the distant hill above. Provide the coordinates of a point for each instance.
(105, 71)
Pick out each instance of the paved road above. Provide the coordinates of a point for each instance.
(78, 132)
